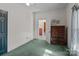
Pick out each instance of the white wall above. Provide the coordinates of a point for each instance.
(58, 14)
(20, 24)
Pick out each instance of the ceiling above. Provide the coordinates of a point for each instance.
(46, 6)
(38, 7)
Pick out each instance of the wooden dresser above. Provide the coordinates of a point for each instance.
(58, 35)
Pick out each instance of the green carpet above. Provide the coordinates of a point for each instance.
(38, 48)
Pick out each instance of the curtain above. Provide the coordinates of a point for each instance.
(74, 29)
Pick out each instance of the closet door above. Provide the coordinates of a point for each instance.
(3, 32)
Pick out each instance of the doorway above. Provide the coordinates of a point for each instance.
(42, 29)
(3, 31)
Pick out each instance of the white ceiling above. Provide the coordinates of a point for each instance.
(35, 7)
(46, 6)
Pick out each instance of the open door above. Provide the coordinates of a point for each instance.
(42, 29)
(3, 31)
